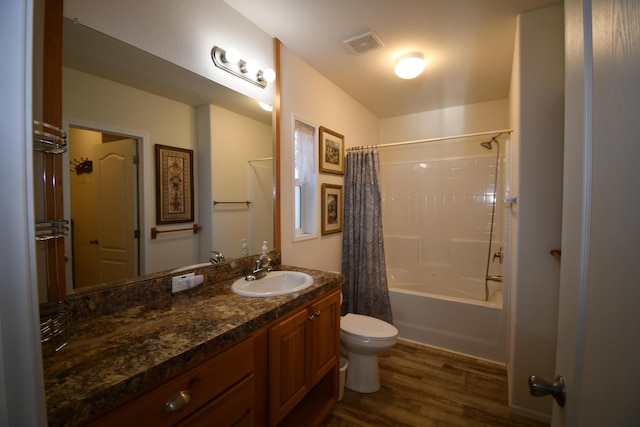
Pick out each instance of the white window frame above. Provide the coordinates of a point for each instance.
(304, 211)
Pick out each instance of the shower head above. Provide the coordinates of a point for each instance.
(487, 145)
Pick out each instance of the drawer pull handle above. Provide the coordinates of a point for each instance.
(177, 402)
(314, 316)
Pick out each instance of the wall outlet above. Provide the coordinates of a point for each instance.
(181, 283)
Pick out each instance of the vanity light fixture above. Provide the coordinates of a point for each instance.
(265, 106)
(229, 60)
(409, 65)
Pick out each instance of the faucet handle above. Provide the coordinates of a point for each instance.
(264, 260)
(499, 255)
(216, 257)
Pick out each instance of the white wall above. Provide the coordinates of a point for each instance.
(312, 97)
(181, 33)
(226, 141)
(537, 108)
(484, 116)
(121, 109)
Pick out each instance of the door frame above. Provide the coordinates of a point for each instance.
(141, 195)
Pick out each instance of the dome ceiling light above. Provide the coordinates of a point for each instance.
(410, 65)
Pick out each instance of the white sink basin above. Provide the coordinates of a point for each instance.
(273, 284)
(190, 267)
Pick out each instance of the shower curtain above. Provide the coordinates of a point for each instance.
(363, 264)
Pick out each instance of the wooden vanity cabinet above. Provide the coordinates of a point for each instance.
(304, 354)
(286, 373)
(220, 391)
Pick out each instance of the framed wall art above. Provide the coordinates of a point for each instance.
(331, 208)
(174, 184)
(331, 151)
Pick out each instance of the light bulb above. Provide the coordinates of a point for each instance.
(268, 75)
(410, 65)
(251, 67)
(231, 56)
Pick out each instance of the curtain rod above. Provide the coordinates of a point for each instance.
(442, 138)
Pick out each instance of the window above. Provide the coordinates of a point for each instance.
(304, 139)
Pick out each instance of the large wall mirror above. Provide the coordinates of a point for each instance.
(118, 102)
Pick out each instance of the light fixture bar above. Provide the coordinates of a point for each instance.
(239, 69)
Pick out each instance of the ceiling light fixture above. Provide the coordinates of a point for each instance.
(409, 65)
(230, 61)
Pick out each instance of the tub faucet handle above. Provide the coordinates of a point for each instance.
(499, 255)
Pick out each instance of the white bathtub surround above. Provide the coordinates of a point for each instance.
(437, 211)
(465, 290)
(474, 328)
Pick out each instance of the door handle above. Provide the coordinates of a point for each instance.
(93, 241)
(539, 387)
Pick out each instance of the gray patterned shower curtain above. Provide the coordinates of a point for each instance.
(363, 264)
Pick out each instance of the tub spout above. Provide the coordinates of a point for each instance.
(494, 278)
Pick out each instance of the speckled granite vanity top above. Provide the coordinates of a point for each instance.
(110, 357)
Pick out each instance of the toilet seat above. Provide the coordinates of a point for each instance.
(366, 327)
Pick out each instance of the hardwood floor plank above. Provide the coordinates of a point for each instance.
(424, 387)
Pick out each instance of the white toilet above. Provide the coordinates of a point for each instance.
(363, 337)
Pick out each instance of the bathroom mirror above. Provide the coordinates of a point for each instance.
(87, 52)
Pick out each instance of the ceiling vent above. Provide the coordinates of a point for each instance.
(363, 43)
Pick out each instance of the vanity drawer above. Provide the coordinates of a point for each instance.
(233, 408)
(198, 385)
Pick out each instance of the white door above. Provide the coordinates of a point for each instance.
(114, 186)
(598, 349)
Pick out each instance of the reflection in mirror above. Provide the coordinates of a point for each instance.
(112, 90)
(103, 194)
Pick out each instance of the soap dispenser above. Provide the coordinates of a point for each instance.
(264, 248)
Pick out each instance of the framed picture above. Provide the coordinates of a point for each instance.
(331, 151)
(174, 185)
(331, 208)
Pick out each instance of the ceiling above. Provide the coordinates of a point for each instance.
(468, 45)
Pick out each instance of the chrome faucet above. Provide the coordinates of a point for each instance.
(216, 257)
(260, 268)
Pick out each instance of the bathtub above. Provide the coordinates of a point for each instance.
(449, 313)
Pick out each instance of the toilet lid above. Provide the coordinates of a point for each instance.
(367, 327)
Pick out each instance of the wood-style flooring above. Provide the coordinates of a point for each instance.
(423, 386)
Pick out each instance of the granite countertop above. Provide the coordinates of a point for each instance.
(110, 358)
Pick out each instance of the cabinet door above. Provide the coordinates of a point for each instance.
(287, 352)
(325, 336)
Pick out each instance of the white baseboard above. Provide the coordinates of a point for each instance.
(535, 415)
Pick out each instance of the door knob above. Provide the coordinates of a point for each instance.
(539, 387)
(93, 241)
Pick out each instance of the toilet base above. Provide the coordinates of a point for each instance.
(363, 375)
